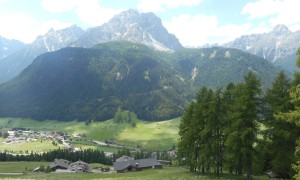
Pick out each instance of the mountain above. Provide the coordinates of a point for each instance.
(81, 83)
(130, 25)
(8, 47)
(145, 28)
(288, 64)
(53, 40)
(274, 45)
(216, 67)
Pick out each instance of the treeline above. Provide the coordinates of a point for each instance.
(243, 130)
(88, 155)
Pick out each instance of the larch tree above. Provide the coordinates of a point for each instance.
(243, 129)
(281, 136)
(294, 117)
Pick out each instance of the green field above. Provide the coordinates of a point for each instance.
(156, 136)
(173, 173)
(15, 167)
(35, 147)
(150, 135)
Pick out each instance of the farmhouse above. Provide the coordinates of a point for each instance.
(59, 164)
(79, 166)
(125, 164)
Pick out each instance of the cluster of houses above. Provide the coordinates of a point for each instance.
(126, 164)
(62, 165)
(20, 136)
(17, 136)
(122, 164)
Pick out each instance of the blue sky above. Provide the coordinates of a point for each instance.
(194, 22)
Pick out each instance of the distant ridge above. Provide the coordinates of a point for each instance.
(277, 44)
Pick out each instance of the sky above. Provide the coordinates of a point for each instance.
(193, 22)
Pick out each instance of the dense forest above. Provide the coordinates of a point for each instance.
(88, 155)
(91, 84)
(243, 129)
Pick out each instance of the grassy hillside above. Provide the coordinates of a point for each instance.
(158, 135)
(35, 147)
(151, 135)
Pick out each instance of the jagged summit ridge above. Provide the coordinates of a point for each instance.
(281, 29)
(276, 44)
(130, 25)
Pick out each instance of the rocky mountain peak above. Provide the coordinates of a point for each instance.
(127, 14)
(274, 45)
(56, 39)
(281, 29)
(130, 25)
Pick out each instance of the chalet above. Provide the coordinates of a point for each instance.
(79, 166)
(59, 164)
(135, 165)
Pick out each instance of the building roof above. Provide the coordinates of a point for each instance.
(140, 163)
(79, 166)
(124, 158)
(60, 163)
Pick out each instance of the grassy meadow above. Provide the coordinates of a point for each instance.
(150, 135)
(35, 147)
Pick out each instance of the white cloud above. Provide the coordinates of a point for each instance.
(162, 5)
(89, 12)
(24, 27)
(93, 14)
(277, 11)
(58, 6)
(261, 8)
(17, 26)
(3, 1)
(201, 29)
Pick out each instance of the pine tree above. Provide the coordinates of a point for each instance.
(187, 135)
(243, 129)
(293, 116)
(281, 135)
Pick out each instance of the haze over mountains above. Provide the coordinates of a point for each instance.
(8, 47)
(12, 65)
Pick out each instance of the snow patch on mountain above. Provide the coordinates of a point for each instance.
(276, 44)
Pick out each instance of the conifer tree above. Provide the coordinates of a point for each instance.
(294, 116)
(281, 135)
(242, 132)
